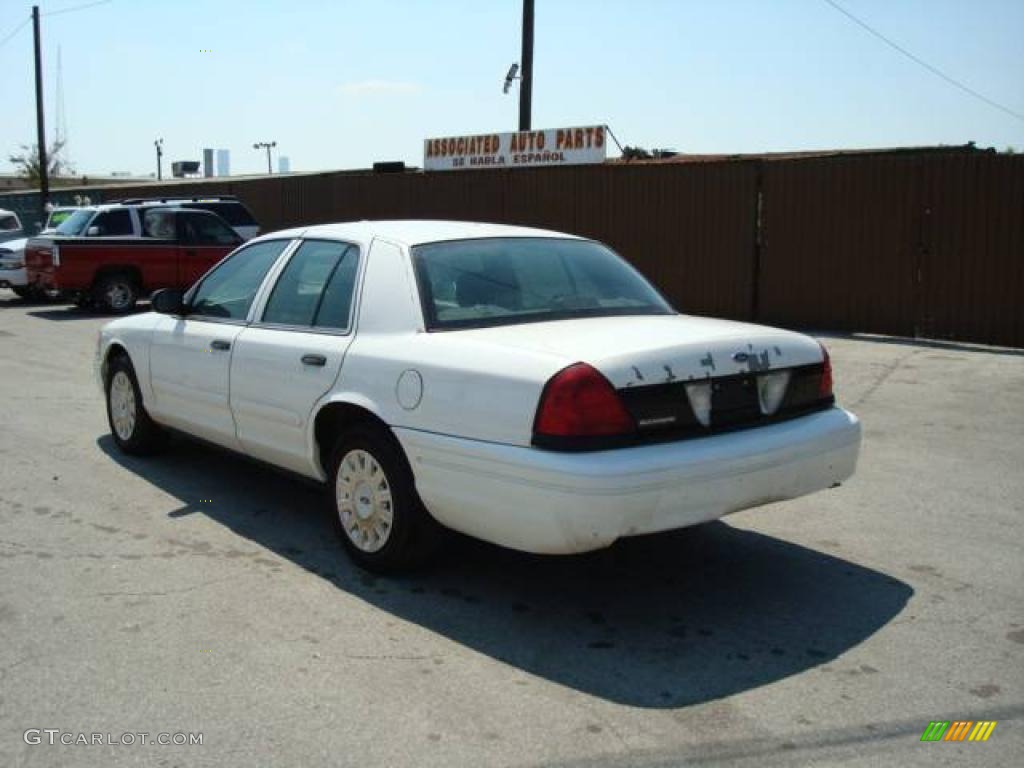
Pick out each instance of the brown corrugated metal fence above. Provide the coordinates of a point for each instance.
(913, 243)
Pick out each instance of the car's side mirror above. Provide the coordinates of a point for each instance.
(92, 232)
(168, 301)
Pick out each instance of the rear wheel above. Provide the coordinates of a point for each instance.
(376, 511)
(132, 429)
(21, 291)
(117, 293)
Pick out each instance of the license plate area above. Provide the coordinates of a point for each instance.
(734, 400)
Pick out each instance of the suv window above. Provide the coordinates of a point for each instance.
(206, 229)
(9, 223)
(229, 289)
(113, 223)
(158, 223)
(234, 213)
(315, 289)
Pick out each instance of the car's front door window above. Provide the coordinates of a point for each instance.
(228, 291)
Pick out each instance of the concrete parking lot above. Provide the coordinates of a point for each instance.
(196, 592)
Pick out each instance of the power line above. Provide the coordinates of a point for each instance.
(16, 30)
(923, 63)
(81, 7)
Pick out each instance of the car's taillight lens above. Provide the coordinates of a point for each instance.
(825, 387)
(580, 402)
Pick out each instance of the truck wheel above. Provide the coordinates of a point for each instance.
(375, 508)
(21, 291)
(117, 293)
(130, 425)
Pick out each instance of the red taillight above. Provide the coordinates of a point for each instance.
(580, 402)
(825, 388)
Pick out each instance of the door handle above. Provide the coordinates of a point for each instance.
(317, 360)
(220, 344)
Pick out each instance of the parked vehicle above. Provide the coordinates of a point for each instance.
(10, 226)
(126, 218)
(230, 208)
(12, 267)
(522, 386)
(114, 271)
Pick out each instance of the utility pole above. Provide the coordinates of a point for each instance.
(159, 144)
(44, 178)
(266, 145)
(526, 63)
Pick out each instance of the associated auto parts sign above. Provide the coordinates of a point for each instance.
(523, 149)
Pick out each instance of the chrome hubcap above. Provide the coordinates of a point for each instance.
(363, 497)
(118, 295)
(122, 405)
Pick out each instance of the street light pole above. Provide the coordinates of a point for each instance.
(266, 145)
(159, 144)
(526, 69)
(44, 177)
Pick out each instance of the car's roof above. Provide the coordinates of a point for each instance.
(412, 231)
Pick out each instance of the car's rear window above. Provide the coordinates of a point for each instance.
(499, 281)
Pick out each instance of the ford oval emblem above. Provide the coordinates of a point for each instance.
(740, 357)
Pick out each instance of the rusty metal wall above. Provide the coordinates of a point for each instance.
(972, 279)
(839, 237)
(926, 245)
(906, 243)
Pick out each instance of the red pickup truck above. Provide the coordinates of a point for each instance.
(179, 245)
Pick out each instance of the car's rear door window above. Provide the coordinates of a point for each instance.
(315, 288)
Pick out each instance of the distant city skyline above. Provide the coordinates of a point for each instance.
(342, 85)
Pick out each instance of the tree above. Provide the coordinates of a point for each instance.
(27, 163)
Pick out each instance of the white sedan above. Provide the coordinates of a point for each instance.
(522, 386)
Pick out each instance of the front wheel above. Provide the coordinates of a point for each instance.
(22, 291)
(377, 513)
(132, 429)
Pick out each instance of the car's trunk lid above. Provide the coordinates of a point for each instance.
(662, 366)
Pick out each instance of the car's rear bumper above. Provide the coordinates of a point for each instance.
(550, 502)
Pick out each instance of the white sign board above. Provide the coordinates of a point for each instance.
(523, 149)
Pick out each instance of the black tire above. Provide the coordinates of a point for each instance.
(413, 536)
(144, 435)
(22, 291)
(116, 292)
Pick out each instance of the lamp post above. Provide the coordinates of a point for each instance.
(159, 144)
(267, 145)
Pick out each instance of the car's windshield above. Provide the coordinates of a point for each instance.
(75, 224)
(498, 281)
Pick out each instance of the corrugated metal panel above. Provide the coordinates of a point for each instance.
(928, 243)
(973, 269)
(689, 228)
(840, 243)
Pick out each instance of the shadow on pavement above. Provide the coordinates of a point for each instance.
(661, 621)
(73, 312)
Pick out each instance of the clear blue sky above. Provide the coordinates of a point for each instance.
(341, 83)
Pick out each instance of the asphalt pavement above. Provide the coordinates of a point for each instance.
(198, 593)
